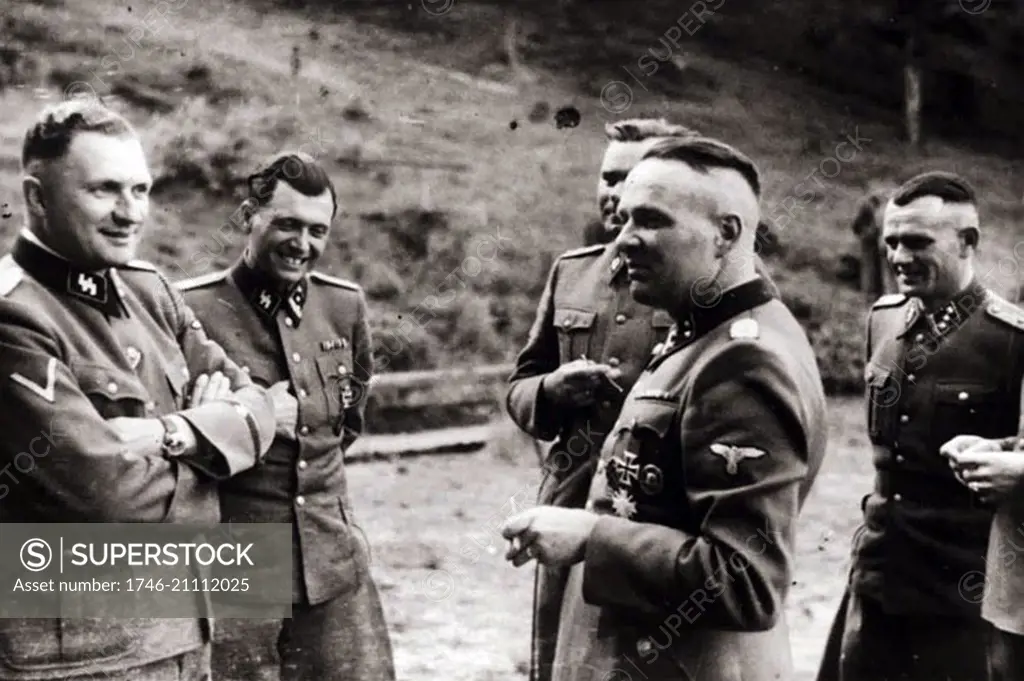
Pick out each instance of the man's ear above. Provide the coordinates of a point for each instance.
(248, 210)
(730, 227)
(969, 238)
(32, 190)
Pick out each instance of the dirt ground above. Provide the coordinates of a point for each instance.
(458, 612)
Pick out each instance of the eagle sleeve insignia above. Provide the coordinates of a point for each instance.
(734, 454)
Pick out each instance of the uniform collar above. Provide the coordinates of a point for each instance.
(267, 296)
(60, 275)
(615, 264)
(696, 322)
(947, 318)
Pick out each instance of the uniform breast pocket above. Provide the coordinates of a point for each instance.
(969, 409)
(112, 392)
(643, 463)
(341, 388)
(883, 402)
(575, 330)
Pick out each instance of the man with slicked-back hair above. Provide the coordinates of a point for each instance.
(945, 357)
(304, 336)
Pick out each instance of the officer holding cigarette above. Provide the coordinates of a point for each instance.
(944, 358)
(681, 559)
(588, 344)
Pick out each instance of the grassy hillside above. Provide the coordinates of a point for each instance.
(459, 178)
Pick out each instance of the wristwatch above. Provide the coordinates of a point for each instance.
(173, 444)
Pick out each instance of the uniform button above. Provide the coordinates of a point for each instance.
(342, 369)
(962, 396)
(196, 325)
(303, 465)
(566, 324)
(942, 326)
(911, 377)
(919, 337)
(620, 319)
(288, 321)
(296, 357)
(112, 387)
(303, 393)
(245, 369)
(304, 430)
(904, 418)
(300, 501)
(897, 497)
(899, 458)
(613, 361)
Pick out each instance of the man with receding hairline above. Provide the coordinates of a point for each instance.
(682, 556)
(304, 335)
(149, 414)
(944, 358)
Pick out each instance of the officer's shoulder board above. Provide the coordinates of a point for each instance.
(322, 278)
(11, 275)
(202, 280)
(583, 252)
(889, 300)
(1005, 311)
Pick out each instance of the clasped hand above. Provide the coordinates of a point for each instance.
(991, 468)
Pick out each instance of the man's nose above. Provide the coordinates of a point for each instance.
(129, 211)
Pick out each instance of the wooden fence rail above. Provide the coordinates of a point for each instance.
(461, 388)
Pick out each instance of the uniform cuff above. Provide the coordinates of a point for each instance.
(194, 500)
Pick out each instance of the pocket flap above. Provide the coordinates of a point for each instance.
(651, 414)
(570, 320)
(963, 393)
(110, 382)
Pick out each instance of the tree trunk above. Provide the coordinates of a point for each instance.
(912, 91)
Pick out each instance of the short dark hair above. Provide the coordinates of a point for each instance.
(299, 170)
(640, 129)
(947, 186)
(57, 124)
(704, 153)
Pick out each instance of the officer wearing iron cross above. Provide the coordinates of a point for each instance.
(141, 412)
(691, 514)
(305, 336)
(589, 342)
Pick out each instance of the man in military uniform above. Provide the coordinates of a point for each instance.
(96, 354)
(993, 469)
(944, 357)
(305, 336)
(588, 344)
(682, 557)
